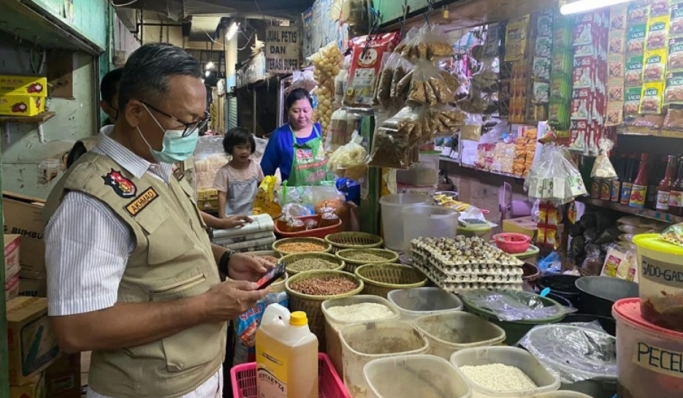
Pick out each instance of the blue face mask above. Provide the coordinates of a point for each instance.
(174, 147)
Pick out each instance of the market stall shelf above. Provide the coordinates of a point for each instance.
(647, 213)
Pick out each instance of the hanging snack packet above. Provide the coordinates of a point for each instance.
(391, 142)
(366, 61)
(429, 44)
(651, 99)
(603, 168)
(428, 86)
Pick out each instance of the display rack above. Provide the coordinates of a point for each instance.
(37, 119)
(4, 349)
(646, 213)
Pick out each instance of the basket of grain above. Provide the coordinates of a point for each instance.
(301, 245)
(302, 262)
(353, 240)
(380, 279)
(357, 257)
(308, 290)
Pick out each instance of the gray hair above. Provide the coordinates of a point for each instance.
(148, 69)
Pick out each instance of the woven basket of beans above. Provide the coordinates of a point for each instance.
(303, 262)
(301, 245)
(380, 279)
(308, 290)
(354, 258)
(353, 240)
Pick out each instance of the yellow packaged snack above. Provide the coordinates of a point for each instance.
(657, 33)
(651, 98)
(654, 66)
(265, 201)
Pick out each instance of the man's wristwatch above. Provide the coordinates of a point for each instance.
(224, 262)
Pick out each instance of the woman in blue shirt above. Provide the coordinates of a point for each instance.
(296, 148)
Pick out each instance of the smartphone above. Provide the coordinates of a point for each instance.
(272, 275)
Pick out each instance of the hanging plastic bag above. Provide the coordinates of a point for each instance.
(603, 168)
(428, 86)
(391, 142)
(429, 44)
(445, 120)
(349, 160)
(302, 79)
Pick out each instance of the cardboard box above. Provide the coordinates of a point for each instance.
(21, 105)
(23, 85)
(63, 378)
(12, 288)
(33, 389)
(32, 284)
(24, 216)
(32, 344)
(11, 256)
(522, 225)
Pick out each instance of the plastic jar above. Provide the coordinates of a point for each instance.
(650, 358)
(661, 281)
(423, 301)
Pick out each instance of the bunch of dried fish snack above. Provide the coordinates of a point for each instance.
(463, 263)
(394, 82)
(483, 88)
(391, 142)
(431, 86)
(428, 43)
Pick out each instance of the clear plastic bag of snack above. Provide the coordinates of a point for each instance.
(674, 234)
(603, 168)
(327, 62)
(428, 86)
(391, 142)
(349, 160)
(302, 79)
(430, 43)
(444, 120)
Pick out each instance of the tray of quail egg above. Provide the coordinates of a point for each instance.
(466, 263)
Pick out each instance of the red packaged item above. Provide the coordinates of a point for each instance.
(366, 61)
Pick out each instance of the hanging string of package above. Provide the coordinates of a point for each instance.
(413, 96)
(484, 85)
(327, 63)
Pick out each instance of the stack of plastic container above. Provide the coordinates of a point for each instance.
(650, 329)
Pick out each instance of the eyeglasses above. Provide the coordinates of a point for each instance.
(189, 127)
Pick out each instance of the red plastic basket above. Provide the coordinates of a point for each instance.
(330, 385)
(311, 233)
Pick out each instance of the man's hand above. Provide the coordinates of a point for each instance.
(245, 267)
(231, 222)
(230, 299)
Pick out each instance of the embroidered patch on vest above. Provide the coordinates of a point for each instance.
(142, 201)
(178, 174)
(120, 184)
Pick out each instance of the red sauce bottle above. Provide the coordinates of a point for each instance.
(639, 190)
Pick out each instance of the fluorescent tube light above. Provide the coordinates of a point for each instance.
(232, 30)
(588, 5)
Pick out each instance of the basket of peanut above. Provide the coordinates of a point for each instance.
(301, 245)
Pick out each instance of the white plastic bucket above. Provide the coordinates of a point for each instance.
(392, 216)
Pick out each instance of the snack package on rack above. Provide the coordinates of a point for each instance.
(430, 43)
(603, 168)
(442, 121)
(368, 53)
(349, 160)
(391, 142)
(394, 82)
(428, 86)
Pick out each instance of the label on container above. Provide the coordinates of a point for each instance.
(661, 272)
(660, 360)
(675, 199)
(662, 200)
(605, 189)
(271, 376)
(595, 188)
(625, 193)
(638, 196)
(615, 191)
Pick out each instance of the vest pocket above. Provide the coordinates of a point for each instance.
(196, 346)
(167, 242)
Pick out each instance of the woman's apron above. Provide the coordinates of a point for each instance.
(309, 164)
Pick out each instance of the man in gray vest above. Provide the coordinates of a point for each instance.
(132, 275)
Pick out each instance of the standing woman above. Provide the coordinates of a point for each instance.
(296, 148)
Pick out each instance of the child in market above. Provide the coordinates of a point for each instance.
(237, 182)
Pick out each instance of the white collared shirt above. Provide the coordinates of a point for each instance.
(87, 248)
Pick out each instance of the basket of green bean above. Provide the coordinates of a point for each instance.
(302, 262)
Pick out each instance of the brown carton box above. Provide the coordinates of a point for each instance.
(63, 378)
(23, 216)
(32, 344)
(12, 266)
(33, 389)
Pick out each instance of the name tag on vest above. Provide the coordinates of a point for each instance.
(142, 201)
